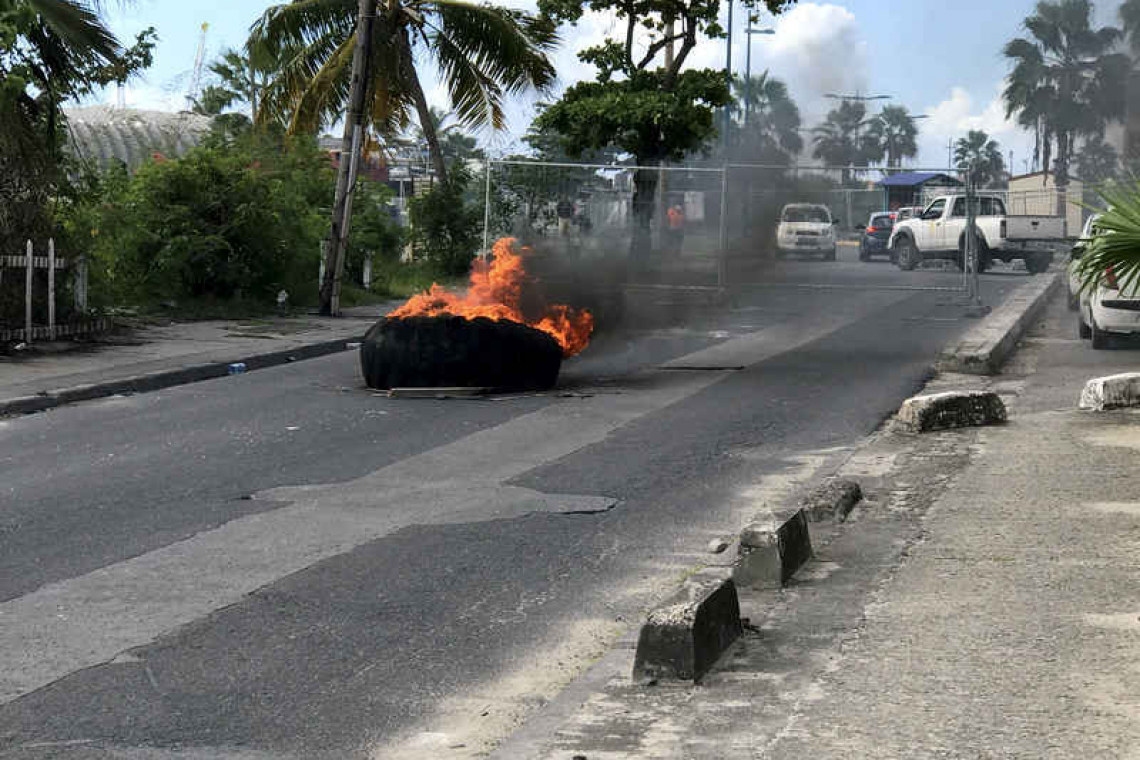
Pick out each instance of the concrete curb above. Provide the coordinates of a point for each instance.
(985, 347)
(833, 500)
(153, 381)
(770, 553)
(683, 637)
(1111, 392)
(951, 409)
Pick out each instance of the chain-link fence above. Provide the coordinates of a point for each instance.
(710, 226)
(656, 225)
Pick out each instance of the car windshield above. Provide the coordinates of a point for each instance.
(882, 221)
(807, 214)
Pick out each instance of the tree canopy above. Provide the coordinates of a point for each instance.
(483, 53)
(1067, 82)
(978, 149)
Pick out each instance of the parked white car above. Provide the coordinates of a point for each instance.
(1075, 255)
(806, 228)
(1106, 310)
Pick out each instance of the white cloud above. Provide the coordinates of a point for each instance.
(959, 113)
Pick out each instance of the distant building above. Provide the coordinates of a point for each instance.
(1037, 193)
(107, 136)
(373, 166)
(909, 188)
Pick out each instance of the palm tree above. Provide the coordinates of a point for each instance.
(483, 53)
(839, 140)
(1130, 22)
(1116, 247)
(1097, 161)
(58, 42)
(771, 133)
(1066, 83)
(978, 149)
(894, 133)
(240, 77)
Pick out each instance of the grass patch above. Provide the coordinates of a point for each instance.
(406, 280)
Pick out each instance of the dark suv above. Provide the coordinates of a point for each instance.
(876, 236)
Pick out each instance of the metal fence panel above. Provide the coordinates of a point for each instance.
(654, 225)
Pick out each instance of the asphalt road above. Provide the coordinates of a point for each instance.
(284, 564)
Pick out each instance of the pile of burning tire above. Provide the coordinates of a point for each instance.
(449, 351)
(498, 334)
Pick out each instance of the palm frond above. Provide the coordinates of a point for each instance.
(1116, 246)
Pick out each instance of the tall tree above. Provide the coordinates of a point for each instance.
(893, 134)
(239, 77)
(1097, 161)
(654, 109)
(771, 133)
(482, 52)
(1066, 83)
(978, 149)
(1130, 22)
(840, 140)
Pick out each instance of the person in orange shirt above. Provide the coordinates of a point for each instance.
(675, 217)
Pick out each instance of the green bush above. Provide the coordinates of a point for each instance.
(231, 219)
(445, 229)
(374, 233)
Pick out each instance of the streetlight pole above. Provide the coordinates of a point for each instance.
(748, 66)
(728, 79)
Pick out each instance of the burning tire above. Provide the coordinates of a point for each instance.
(447, 351)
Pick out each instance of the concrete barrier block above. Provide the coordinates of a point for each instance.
(1111, 392)
(832, 501)
(771, 553)
(683, 637)
(952, 409)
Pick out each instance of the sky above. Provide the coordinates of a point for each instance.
(939, 58)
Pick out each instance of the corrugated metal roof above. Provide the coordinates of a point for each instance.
(914, 179)
(106, 135)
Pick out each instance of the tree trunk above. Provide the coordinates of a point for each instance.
(1064, 148)
(641, 237)
(423, 111)
(350, 146)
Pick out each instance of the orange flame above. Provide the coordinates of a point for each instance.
(496, 291)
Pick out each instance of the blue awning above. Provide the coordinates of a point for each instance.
(915, 179)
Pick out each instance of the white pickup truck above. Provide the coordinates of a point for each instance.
(940, 233)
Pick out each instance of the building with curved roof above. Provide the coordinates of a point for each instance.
(107, 135)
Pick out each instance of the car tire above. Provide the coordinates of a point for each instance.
(1036, 264)
(1100, 339)
(863, 255)
(1083, 330)
(906, 257)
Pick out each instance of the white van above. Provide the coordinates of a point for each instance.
(806, 228)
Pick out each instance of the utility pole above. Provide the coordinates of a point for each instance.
(349, 162)
(728, 78)
(950, 152)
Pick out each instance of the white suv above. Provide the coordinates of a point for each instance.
(806, 228)
(1105, 310)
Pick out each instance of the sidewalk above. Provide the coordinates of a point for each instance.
(158, 356)
(983, 602)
